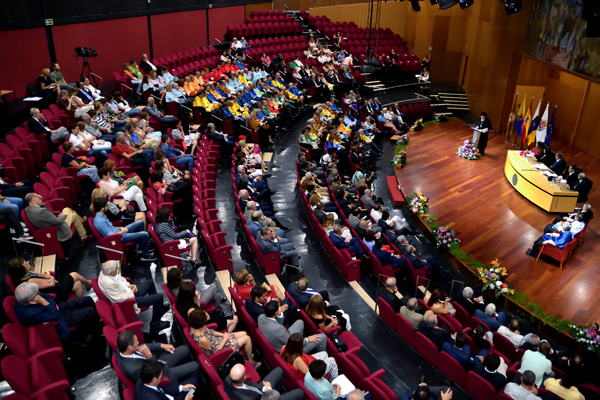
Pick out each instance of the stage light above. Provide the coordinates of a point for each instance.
(466, 3)
(445, 4)
(415, 5)
(512, 6)
(433, 2)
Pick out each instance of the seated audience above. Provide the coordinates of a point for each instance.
(189, 299)
(493, 370)
(315, 309)
(244, 283)
(82, 167)
(39, 125)
(128, 190)
(511, 332)
(583, 186)
(238, 388)
(40, 217)
(19, 271)
(147, 387)
(437, 334)
(166, 231)
(523, 390)
(538, 363)
(212, 341)
(424, 392)
(33, 307)
(490, 317)
(132, 356)
(409, 311)
(470, 303)
(117, 289)
(268, 243)
(564, 387)
(389, 292)
(278, 335)
(293, 354)
(439, 303)
(558, 239)
(131, 233)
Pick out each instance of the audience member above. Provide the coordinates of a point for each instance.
(410, 313)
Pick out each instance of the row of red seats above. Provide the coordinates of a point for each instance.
(257, 13)
(269, 18)
(34, 370)
(277, 40)
(184, 57)
(263, 29)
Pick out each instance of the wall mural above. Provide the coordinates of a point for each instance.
(557, 35)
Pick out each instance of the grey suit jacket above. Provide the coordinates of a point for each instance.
(267, 246)
(411, 316)
(273, 331)
(41, 217)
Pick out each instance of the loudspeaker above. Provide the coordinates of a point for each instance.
(433, 2)
(466, 3)
(591, 13)
(512, 6)
(415, 5)
(445, 4)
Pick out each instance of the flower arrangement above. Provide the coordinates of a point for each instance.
(417, 126)
(444, 237)
(403, 141)
(492, 277)
(588, 335)
(399, 160)
(418, 204)
(467, 150)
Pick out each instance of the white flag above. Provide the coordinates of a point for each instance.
(543, 126)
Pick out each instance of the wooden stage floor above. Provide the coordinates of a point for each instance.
(494, 221)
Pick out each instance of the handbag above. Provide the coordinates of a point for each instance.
(225, 368)
(338, 343)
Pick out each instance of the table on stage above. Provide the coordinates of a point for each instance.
(535, 186)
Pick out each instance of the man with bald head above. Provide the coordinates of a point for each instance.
(238, 388)
(389, 292)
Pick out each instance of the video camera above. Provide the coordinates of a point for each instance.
(85, 52)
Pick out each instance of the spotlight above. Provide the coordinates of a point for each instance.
(466, 3)
(433, 2)
(445, 4)
(512, 6)
(415, 5)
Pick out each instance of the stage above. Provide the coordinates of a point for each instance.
(494, 221)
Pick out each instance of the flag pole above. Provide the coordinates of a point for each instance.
(512, 116)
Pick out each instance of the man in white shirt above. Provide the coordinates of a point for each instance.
(146, 65)
(96, 94)
(512, 333)
(524, 391)
(117, 289)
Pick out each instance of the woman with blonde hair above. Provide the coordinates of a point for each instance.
(118, 212)
(315, 309)
(44, 85)
(150, 141)
(328, 223)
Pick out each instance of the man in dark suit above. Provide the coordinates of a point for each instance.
(389, 293)
(147, 387)
(558, 166)
(339, 242)
(385, 215)
(571, 175)
(488, 370)
(301, 293)
(238, 388)
(38, 125)
(418, 262)
(470, 303)
(483, 127)
(490, 317)
(320, 214)
(386, 258)
(583, 186)
(255, 305)
(146, 65)
(437, 334)
(132, 356)
(268, 244)
(255, 226)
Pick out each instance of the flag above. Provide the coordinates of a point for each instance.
(534, 124)
(511, 118)
(542, 127)
(527, 122)
(550, 128)
(520, 114)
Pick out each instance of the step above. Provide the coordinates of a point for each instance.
(363, 295)
(225, 281)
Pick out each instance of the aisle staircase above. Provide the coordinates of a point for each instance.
(449, 102)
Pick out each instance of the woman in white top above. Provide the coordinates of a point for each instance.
(80, 107)
(424, 76)
(128, 190)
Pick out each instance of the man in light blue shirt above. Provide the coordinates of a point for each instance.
(319, 386)
(187, 160)
(131, 233)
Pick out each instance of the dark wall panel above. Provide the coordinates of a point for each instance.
(175, 32)
(220, 18)
(116, 41)
(28, 52)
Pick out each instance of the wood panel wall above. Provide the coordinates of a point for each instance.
(258, 6)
